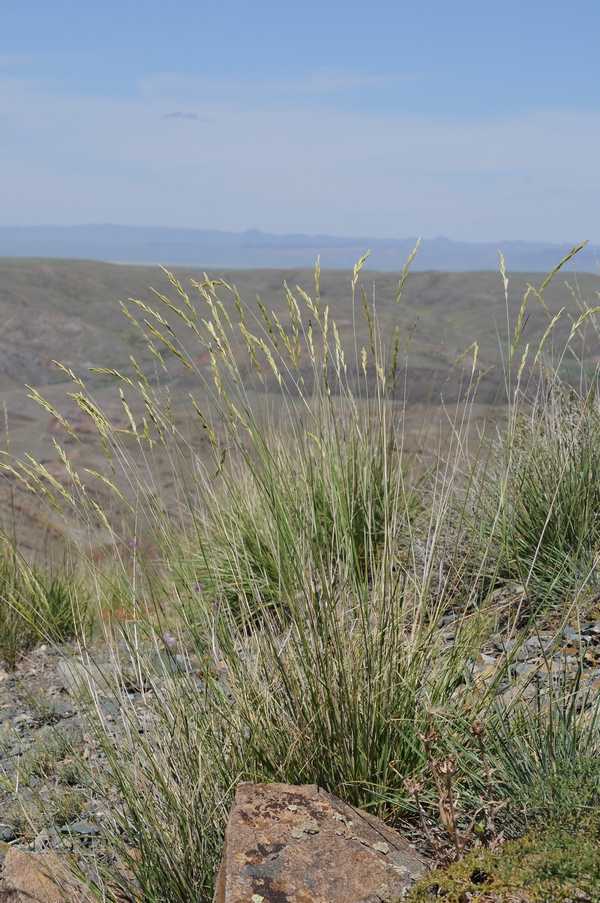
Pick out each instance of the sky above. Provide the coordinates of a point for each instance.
(476, 121)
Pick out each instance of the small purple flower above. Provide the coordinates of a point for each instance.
(134, 543)
(168, 639)
(198, 587)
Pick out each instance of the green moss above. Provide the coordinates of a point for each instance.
(557, 863)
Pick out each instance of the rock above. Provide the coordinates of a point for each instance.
(525, 668)
(109, 707)
(38, 878)
(6, 832)
(82, 828)
(76, 677)
(40, 841)
(287, 844)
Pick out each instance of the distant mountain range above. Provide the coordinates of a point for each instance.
(207, 248)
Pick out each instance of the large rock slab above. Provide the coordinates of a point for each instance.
(39, 878)
(287, 844)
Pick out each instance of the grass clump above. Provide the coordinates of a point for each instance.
(550, 520)
(548, 754)
(533, 760)
(335, 498)
(36, 606)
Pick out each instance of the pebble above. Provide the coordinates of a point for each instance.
(6, 833)
(83, 828)
(169, 663)
(542, 660)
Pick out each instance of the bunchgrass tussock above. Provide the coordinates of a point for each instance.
(550, 526)
(37, 604)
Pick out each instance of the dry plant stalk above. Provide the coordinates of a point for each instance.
(442, 773)
(492, 837)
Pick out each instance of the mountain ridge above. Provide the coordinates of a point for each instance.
(256, 249)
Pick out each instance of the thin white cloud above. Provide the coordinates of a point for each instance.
(334, 80)
(178, 114)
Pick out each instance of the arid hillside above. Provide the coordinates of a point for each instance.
(69, 311)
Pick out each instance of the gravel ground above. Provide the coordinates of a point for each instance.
(47, 744)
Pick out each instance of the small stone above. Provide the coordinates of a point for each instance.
(514, 694)
(82, 828)
(61, 707)
(77, 678)
(109, 707)
(23, 718)
(6, 832)
(525, 668)
(41, 841)
(485, 672)
(165, 662)
(484, 659)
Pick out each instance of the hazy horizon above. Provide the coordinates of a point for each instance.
(350, 236)
(253, 248)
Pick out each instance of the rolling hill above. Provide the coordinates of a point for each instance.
(68, 311)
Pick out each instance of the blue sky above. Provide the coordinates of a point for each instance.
(473, 120)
